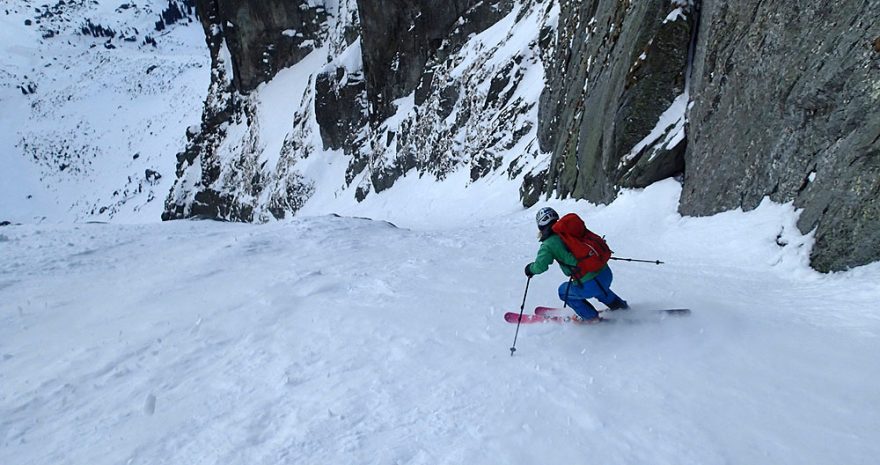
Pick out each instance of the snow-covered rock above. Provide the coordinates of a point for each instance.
(460, 94)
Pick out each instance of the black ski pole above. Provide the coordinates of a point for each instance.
(567, 290)
(656, 262)
(519, 321)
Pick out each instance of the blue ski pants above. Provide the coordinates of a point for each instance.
(576, 294)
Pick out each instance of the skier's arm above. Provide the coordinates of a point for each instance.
(543, 260)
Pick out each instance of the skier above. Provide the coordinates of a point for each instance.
(575, 291)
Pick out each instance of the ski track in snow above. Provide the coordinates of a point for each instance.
(344, 340)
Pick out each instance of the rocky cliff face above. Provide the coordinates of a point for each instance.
(568, 98)
(401, 38)
(464, 101)
(223, 173)
(780, 101)
(392, 87)
(614, 105)
(264, 37)
(786, 98)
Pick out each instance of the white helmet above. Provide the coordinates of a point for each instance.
(546, 216)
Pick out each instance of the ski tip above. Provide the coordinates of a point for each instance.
(511, 317)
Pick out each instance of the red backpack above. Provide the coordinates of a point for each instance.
(590, 250)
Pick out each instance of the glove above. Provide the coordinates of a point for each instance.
(529, 270)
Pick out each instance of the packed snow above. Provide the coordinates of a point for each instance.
(372, 332)
(336, 339)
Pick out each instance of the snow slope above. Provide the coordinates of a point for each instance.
(344, 340)
(91, 119)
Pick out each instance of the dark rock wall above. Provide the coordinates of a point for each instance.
(615, 67)
(787, 105)
(340, 107)
(398, 37)
(340, 90)
(261, 37)
(222, 107)
(427, 141)
(265, 36)
(784, 102)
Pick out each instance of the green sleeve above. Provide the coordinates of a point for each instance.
(544, 258)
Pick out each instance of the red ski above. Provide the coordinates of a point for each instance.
(547, 311)
(512, 317)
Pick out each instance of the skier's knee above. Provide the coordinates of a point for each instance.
(563, 291)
